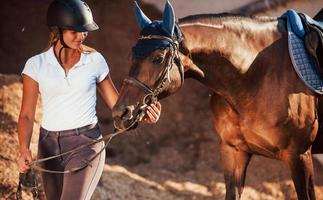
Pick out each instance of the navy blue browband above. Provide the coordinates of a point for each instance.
(144, 47)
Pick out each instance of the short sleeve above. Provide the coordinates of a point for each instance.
(102, 68)
(31, 69)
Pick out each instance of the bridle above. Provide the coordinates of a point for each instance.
(151, 95)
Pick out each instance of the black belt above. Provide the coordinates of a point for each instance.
(75, 131)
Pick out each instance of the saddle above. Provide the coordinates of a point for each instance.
(314, 37)
(311, 32)
(305, 43)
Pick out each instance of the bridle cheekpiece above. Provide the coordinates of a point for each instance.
(151, 95)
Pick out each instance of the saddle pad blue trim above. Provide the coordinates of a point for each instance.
(304, 65)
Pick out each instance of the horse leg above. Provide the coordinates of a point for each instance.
(303, 175)
(235, 164)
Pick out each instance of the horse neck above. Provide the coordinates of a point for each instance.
(226, 51)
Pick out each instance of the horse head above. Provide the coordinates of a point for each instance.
(156, 70)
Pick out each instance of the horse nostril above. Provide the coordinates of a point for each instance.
(123, 112)
(127, 114)
(117, 111)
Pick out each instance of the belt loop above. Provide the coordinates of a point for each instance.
(44, 131)
(77, 131)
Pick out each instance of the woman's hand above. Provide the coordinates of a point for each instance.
(24, 158)
(153, 113)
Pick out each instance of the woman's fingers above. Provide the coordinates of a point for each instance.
(23, 165)
(23, 162)
(156, 109)
(149, 118)
(153, 112)
(158, 105)
(151, 115)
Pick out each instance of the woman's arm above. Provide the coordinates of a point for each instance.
(108, 91)
(26, 120)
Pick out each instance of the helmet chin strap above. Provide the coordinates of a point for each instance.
(64, 45)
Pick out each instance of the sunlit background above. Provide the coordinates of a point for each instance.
(176, 159)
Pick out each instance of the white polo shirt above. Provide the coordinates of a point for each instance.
(68, 101)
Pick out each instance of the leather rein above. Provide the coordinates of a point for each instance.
(29, 181)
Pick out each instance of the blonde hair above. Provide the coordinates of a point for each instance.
(54, 38)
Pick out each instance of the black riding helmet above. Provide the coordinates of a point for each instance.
(71, 14)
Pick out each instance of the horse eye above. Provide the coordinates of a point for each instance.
(158, 59)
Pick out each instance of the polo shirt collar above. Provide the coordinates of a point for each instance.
(51, 58)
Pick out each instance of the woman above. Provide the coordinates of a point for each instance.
(67, 75)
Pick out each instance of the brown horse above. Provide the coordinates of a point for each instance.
(260, 106)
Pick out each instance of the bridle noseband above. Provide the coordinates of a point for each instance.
(152, 94)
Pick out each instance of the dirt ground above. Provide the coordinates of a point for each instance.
(176, 159)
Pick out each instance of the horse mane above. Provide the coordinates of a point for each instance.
(231, 20)
(219, 17)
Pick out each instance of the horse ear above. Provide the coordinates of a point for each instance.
(319, 16)
(169, 19)
(142, 19)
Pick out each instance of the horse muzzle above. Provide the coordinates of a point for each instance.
(125, 117)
